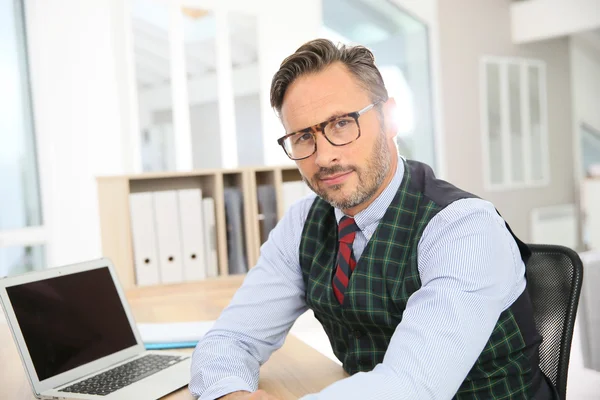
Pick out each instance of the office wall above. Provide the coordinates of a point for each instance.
(467, 30)
(535, 20)
(585, 64)
(78, 118)
(585, 80)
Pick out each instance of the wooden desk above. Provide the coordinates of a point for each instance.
(293, 371)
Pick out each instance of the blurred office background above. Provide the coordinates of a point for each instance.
(501, 97)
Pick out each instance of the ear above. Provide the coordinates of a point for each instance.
(390, 115)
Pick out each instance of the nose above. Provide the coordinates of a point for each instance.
(326, 153)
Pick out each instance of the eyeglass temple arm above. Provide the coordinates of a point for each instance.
(367, 108)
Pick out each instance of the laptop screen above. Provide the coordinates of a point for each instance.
(71, 320)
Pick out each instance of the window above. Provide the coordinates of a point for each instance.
(22, 234)
(400, 44)
(197, 84)
(515, 138)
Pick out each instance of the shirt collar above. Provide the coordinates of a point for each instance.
(376, 210)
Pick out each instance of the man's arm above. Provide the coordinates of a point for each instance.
(258, 318)
(470, 271)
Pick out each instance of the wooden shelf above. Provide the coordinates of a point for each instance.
(115, 217)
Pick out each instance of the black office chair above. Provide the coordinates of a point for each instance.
(554, 275)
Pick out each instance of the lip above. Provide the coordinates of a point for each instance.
(336, 179)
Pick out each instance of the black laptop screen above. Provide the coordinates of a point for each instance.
(70, 320)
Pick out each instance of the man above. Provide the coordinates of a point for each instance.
(419, 286)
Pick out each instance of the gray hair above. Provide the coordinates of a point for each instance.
(316, 55)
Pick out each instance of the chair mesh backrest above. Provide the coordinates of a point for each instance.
(554, 275)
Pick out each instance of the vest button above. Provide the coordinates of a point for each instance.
(357, 334)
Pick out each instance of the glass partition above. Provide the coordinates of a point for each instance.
(399, 42)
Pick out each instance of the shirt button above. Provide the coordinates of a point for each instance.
(363, 361)
(357, 334)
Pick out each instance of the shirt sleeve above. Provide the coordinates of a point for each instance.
(470, 271)
(259, 316)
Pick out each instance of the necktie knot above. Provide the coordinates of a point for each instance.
(347, 230)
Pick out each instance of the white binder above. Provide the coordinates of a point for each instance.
(292, 192)
(192, 234)
(144, 239)
(210, 237)
(166, 213)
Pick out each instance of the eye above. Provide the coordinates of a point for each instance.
(303, 138)
(342, 123)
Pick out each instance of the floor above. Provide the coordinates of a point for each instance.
(583, 383)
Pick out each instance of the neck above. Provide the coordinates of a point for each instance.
(390, 175)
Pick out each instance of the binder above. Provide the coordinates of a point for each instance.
(192, 234)
(234, 216)
(292, 192)
(210, 237)
(145, 253)
(267, 209)
(166, 214)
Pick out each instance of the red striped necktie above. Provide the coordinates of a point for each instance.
(345, 262)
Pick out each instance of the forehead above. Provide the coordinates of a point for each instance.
(316, 97)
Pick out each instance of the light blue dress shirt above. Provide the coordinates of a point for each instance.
(470, 268)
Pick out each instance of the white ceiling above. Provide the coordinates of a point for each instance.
(151, 43)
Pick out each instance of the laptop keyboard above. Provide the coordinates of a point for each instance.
(123, 375)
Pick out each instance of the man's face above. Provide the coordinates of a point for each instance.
(344, 176)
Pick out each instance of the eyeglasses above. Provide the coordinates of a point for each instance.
(338, 131)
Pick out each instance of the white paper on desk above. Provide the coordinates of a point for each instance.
(174, 332)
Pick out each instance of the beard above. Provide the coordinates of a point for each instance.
(370, 178)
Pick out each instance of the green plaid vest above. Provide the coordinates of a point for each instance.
(387, 275)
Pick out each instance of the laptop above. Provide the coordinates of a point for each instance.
(77, 337)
